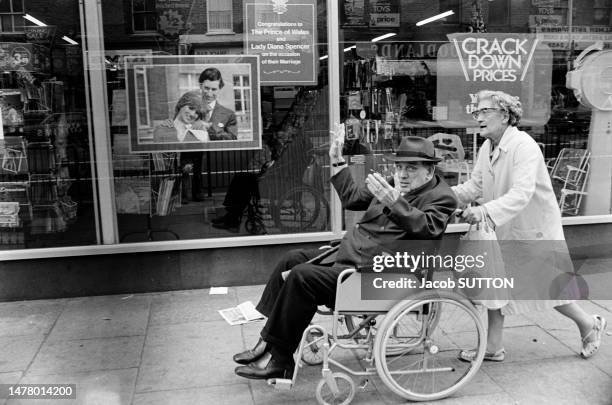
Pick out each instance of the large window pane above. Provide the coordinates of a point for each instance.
(272, 178)
(390, 89)
(46, 197)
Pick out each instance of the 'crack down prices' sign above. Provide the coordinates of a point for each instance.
(517, 64)
(284, 37)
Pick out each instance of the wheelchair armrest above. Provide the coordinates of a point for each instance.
(332, 244)
(343, 275)
(329, 251)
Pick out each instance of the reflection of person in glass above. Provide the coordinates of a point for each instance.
(220, 121)
(187, 125)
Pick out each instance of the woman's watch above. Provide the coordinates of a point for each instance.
(339, 164)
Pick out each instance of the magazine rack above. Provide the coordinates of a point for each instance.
(165, 192)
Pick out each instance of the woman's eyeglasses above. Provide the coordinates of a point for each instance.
(485, 110)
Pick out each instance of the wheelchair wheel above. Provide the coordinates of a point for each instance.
(255, 226)
(345, 390)
(300, 209)
(434, 327)
(312, 353)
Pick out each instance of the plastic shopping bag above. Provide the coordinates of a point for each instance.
(485, 283)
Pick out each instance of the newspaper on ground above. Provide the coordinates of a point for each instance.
(240, 314)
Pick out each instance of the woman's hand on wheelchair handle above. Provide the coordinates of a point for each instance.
(472, 215)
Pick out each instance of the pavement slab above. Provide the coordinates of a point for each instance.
(188, 355)
(29, 317)
(18, 351)
(557, 381)
(104, 387)
(190, 306)
(81, 355)
(219, 395)
(103, 316)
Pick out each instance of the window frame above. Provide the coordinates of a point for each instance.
(141, 71)
(245, 96)
(145, 12)
(13, 15)
(213, 31)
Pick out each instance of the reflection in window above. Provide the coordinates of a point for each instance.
(498, 12)
(142, 98)
(242, 95)
(11, 16)
(219, 15)
(455, 6)
(144, 16)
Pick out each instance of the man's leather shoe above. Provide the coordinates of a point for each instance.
(266, 367)
(249, 356)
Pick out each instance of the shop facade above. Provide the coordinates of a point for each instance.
(113, 180)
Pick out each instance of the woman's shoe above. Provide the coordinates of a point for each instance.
(470, 355)
(589, 348)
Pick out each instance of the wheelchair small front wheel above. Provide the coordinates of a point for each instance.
(343, 393)
(418, 345)
(312, 352)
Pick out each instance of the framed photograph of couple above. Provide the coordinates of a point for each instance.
(193, 103)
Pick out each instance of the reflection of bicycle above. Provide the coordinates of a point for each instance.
(286, 202)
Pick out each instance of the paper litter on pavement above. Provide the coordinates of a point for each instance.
(241, 314)
(218, 290)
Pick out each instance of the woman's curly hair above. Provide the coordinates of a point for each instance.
(506, 102)
(192, 99)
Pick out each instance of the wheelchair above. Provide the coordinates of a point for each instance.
(412, 345)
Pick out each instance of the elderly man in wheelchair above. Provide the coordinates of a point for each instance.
(415, 205)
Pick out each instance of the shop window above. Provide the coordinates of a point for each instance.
(219, 16)
(11, 16)
(144, 16)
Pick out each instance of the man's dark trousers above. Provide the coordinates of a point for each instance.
(196, 178)
(291, 304)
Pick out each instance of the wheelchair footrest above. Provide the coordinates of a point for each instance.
(281, 383)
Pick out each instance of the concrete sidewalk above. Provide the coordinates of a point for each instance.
(174, 348)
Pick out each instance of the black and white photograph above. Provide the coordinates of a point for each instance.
(193, 103)
(283, 202)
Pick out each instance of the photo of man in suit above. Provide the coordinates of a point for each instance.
(219, 121)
